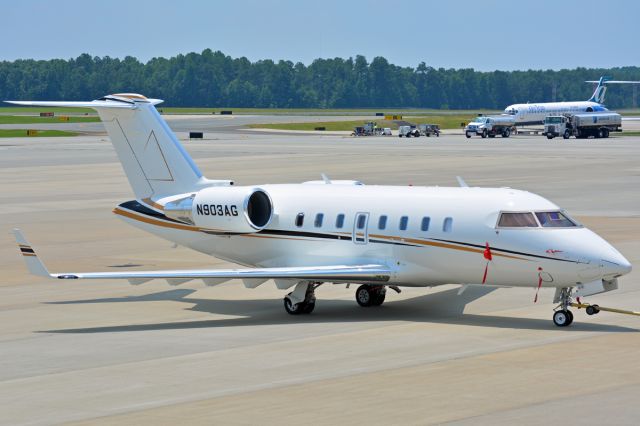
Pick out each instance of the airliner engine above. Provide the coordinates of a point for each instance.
(237, 210)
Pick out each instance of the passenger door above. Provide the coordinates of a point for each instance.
(360, 228)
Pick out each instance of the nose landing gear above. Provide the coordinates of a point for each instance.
(563, 317)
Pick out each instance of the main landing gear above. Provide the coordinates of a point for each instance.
(370, 295)
(563, 317)
(302, 300)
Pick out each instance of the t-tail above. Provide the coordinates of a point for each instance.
(601, 89)
(153, 159)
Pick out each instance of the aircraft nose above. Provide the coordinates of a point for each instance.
(602, 258)
(616, 266)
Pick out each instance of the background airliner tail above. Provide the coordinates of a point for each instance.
(153, 159)
(601, 88)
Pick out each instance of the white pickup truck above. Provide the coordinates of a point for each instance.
(491, 126)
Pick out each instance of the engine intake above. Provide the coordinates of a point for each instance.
(240, 210)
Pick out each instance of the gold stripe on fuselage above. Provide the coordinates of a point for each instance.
(184, 227)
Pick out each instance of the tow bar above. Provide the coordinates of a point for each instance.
(594, 309)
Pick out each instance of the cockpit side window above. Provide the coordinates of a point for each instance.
(555, 220)
(517, 220)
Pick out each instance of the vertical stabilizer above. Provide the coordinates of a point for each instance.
(153, 159)
(601, 90)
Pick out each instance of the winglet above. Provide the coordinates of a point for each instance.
(34, 265)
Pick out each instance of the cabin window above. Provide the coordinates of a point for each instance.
(362, 221)
(299, 220)
(517, 220)
(447, 225)
(318, 222)
(404, 222)
(424, 225)
(554, 220)
(340, 221)
(382, 222)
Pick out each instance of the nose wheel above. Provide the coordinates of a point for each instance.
(563, 317)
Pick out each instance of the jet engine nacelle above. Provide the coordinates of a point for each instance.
(232, 209)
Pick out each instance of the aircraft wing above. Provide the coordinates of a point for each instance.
(252, 277)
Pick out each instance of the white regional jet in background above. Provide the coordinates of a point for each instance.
(527, 114)
(303, 235)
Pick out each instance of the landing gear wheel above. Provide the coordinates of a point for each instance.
(308, 307)
(592, 309)
(562, 318)
(365, 296)
(379, 297)
(293, 308)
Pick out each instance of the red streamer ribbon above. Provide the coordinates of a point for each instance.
(489, 257)
(535, 300)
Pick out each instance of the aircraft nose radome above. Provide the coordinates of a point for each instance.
(618, 265)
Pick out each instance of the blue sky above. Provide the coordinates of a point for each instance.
(485, 35)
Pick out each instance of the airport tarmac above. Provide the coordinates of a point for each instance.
(110, 353)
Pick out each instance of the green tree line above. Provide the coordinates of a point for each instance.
(213, 79)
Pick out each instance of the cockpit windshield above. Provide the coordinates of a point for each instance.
(517, 220)
(550, 219)
(554, 220)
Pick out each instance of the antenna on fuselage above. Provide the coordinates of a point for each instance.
(461, 182)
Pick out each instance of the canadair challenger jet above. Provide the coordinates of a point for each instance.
(303, 235)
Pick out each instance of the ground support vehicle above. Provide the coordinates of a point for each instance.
(491, 126)
(408, 131)
(429, 129)
(583, 125)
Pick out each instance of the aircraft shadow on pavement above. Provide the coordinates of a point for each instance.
(445, 307)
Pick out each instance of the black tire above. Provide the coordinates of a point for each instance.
(364, 296)
(506, 133)
(399, 136)
(379, 296)
(600, 134)
(308, 307)
(484, 133)
(562, 318)
(468, 135)
(566, 134)
(590, 310)
(605, 133)
(291, 308)
(570, 314)
(549, 136)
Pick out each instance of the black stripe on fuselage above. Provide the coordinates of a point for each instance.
(139, 208)
(504, 250)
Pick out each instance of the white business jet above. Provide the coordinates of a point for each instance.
(303, 235)
(527, 114)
